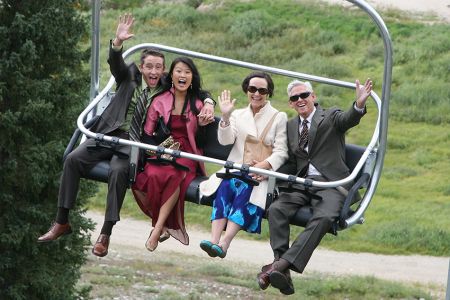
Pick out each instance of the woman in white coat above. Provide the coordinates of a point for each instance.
(238, 204)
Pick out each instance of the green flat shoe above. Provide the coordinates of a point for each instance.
(206, 246)
(218, 251)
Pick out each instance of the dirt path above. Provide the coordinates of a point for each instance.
(439, 8)
(130, 235)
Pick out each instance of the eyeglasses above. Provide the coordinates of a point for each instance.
(253, 89)
(303, 95)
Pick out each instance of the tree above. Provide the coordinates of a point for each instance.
(43, 87)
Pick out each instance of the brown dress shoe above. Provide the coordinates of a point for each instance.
(282, 281)
(263, 277)
(55, 231)
(101, 245)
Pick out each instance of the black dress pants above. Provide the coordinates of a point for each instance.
(77, 165)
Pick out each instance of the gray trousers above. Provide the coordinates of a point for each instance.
(77, 165)
(326, 204)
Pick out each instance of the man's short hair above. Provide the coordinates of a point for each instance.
(152, 52)
(297, 82)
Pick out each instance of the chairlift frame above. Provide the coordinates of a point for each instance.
(370, 162)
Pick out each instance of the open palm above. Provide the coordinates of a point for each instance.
(226, 104)
(123, 31)
(363, 92)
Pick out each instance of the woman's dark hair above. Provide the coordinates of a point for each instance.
(263, 75)
(195, 90)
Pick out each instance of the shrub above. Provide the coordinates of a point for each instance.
(43, 88)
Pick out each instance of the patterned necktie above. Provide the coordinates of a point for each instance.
(138, 116)
(304, 136)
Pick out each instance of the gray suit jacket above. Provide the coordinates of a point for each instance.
(326, 146)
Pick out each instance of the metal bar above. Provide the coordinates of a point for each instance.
(385, 95)
(228, 61)
(95, 50)
(447, 295)
(242, 64)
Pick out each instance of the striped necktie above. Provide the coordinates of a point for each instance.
(304, 136)
(138, 116)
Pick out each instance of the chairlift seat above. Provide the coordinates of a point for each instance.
(214, 149)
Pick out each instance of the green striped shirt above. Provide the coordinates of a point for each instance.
(130, 111)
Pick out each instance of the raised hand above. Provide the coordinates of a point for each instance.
(123, 31)
(363, 92)
(226, 104)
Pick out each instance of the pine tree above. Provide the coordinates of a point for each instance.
(44, 85)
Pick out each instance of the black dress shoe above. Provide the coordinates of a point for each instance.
(101, 246)
(55, 231)
(282, 281)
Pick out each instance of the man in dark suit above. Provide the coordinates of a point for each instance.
(133, 82)
(316, 143)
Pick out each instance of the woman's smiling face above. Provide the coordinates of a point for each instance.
(256, 99)
(181, 77)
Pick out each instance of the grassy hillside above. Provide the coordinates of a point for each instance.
(409, 213)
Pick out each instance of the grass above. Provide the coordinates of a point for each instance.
(175, 276)
(409, 213)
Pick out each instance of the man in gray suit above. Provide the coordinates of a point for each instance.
(132, 83)
(316, 143)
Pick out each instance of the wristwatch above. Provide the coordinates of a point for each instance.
(210, 101)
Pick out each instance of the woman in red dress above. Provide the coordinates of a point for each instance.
(160, 189)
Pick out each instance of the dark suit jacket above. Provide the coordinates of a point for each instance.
(326, 146)
(128, 77)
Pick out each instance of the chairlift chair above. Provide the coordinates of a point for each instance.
(365, 163)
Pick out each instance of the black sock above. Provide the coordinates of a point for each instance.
(282, 265)
(62, 216)
(107, 227)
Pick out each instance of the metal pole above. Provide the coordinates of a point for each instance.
(447, 297)
(386, 93)
(95, 49)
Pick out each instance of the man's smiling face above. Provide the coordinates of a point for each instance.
(304, 107)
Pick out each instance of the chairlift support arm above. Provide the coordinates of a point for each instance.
(376, 147)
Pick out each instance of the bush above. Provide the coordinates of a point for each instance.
(120, 4)
(43, 87)
(251, 25)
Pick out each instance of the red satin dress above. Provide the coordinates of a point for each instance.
(158, 182)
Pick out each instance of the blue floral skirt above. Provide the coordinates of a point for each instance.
(231, 202)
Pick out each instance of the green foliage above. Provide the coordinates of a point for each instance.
(194, 3)
(252, 24)
(42, 89)
(119, 4)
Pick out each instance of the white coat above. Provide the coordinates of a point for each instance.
(243, 122)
